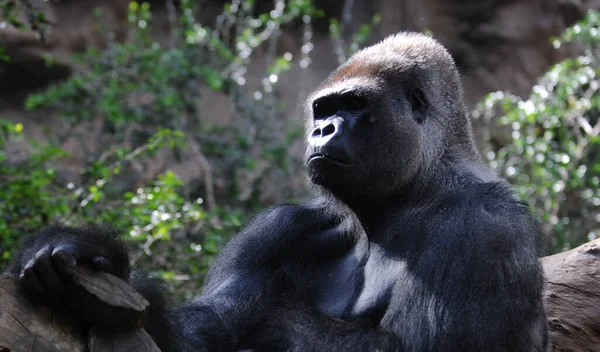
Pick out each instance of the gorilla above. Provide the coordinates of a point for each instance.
(410, 244)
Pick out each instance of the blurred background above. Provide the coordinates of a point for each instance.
(176, 121)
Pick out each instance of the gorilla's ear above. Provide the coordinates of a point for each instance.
(418, 103)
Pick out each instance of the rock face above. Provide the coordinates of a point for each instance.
(74, 30)
(497, 44)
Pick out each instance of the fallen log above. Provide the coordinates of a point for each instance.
(572, 300)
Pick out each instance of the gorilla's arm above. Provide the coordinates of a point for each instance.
(235, 294)
(477, 283)
(297, 328)
(479, 276)
(248, 276)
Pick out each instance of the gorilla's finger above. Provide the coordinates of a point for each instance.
(45, 269)
(101, 264)
(65, 263)
(81, 253)
(29, 279)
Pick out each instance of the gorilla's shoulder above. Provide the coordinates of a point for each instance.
(486, 213)
(490, 197)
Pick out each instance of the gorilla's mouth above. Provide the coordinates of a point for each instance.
(327, 157)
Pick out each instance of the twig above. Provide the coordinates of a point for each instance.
(172, 17)
(206, 171)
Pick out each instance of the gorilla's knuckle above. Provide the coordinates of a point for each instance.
(43, 255)
(63, 258)
(60, 253)
(28, 277)
(101, 263)
(28, 269)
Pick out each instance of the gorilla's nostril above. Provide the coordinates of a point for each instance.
(329, 129)
(316, 132)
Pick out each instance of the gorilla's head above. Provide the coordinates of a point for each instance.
(382, 121)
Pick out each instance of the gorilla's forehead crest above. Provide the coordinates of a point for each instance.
(397, 54)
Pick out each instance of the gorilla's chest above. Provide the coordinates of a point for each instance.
(358, 284)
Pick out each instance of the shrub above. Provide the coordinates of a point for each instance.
(554, 157)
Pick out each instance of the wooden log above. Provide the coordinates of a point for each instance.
(572, 300)
(26, 326)
(100, 340)
(116, 301)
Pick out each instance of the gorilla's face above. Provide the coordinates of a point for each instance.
(381, 122)
(364, 136)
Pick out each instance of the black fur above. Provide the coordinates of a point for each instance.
(411, 243)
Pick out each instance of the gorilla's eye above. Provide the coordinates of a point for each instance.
(418, 103)
(355, 103)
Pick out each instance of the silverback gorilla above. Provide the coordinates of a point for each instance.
(411, 242)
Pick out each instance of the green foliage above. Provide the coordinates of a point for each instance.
(3, 56)
(28, 199)
(554, 157)
(32, 197)
(144, 97)
(132, 82)
(141, 85)
(23, 15)
(155, 211)
(358, 38)
(184, 260)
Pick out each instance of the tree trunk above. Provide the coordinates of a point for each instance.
(572, 300)
(28, 327)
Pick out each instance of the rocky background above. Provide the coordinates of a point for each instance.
(497, 44)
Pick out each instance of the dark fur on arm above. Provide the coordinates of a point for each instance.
(295, 327)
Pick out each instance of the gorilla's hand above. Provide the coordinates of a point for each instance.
(288, 233)
(47, 262)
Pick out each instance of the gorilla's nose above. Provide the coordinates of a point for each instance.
(326, 130)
